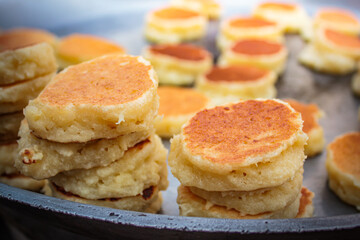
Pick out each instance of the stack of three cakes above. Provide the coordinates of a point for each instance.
(91, 133)
(27, 63)
(243, 161)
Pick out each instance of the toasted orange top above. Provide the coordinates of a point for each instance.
(305, 200)
(256, 47)
(175, 101)
(114, 79)
(236, 74)
(175, 13)
(337, 15)
(182, 51)
(346, 153)
(278, 6)
(308, 112)
(250, 22)
(86, 47)
(342, 39)
(24, 37)
(231, 134)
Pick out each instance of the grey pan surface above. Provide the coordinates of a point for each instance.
(41, 217)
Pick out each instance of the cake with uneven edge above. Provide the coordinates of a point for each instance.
(177, 105)
(149, 200)
(237, 28)
(106, 97)
(77, 48)
(240, 81)
(306, 208)
(9, 174)
(257, 52)
(193, 205)
(239, 147)
(258, 201)
(343, 167)
(142, 166)
(26, 53)
(337, 19)
(40, 159)
(178, 64)
(209, 8)
(174, 25)
(292, 17)
(14, 97)
(331, 52)
(310, 113)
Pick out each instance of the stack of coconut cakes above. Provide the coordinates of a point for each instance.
(27, 64)
(242, 160)
(90, 132)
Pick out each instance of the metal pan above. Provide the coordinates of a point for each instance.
(42, 217)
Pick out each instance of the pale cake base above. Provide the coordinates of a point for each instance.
(27, 63)
(15, 97)
(194, 206)
(326, 62)
(8, 154)
(258, 201)
(20, 181)
(273, 172)
(344, 185)
(140, 167)
(40, 158)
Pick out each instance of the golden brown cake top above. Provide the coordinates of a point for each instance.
(251, 22)
(346, 153)
(305, 200)
(239, 73)
(175, 13)
(110, 80)
(309, 114)
(181, 51)
(342, 39)
(24, 37)
(175, 101)
(86, 47)
(337, 15)
(231, 134)
(256, 47)
(278, 6)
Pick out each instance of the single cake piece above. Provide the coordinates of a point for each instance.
(14, 97)
(331, 52)
(209, 8)
(77, 48)
(260, 53)
(41, 159)
(306, 208)
(177, 105)
(239, 81)
(193, 205)
(237, 28)
(343, 166)
(245, 146)
(178, 64)
(310, 113)
(106, 97)
(174, 25)
(26, 54)
(291, 16)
